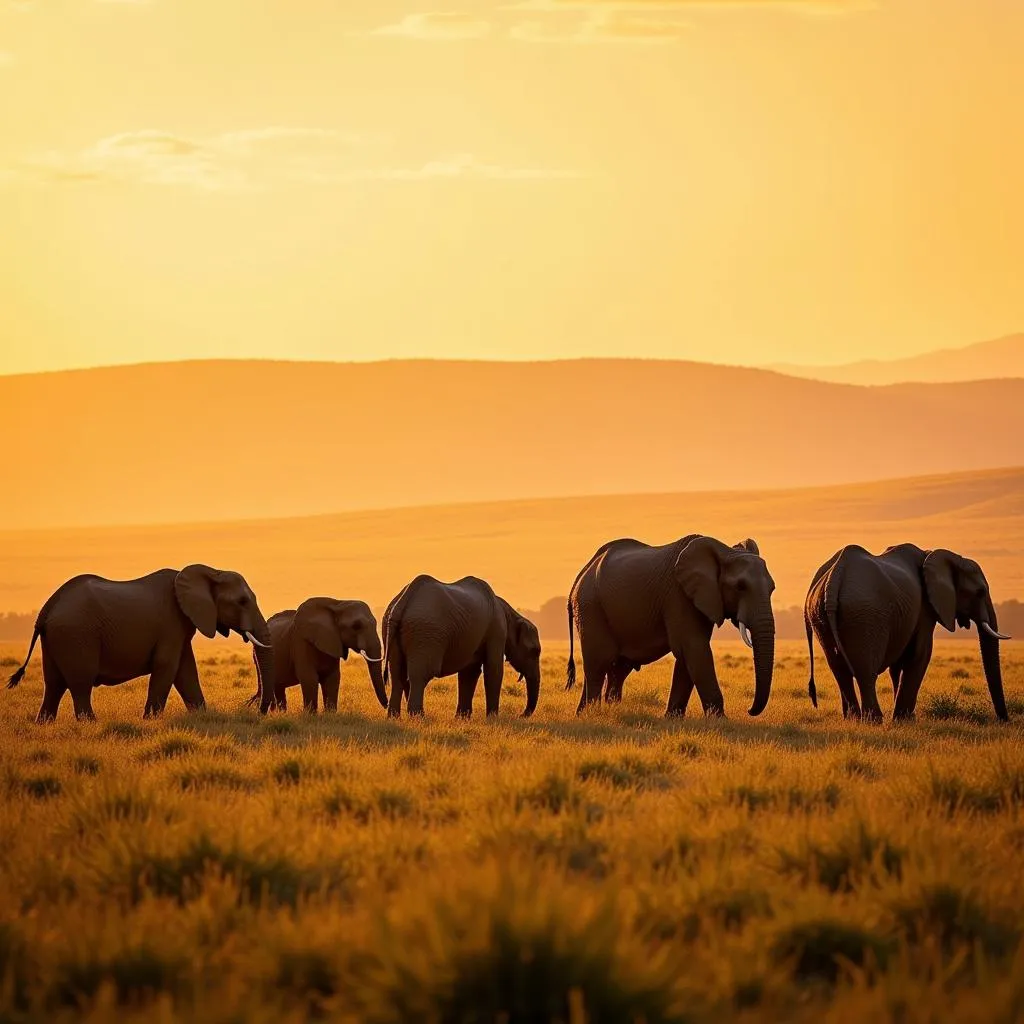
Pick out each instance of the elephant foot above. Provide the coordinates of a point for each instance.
(714, 711)
(464, 713)
(675, 713)
(45, 718)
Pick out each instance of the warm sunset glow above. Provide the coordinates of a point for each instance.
(810, 181)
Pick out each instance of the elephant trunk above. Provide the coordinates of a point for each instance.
(375, 666)
(263, 654)
(762, 634)
(990, 660)
(532, 692)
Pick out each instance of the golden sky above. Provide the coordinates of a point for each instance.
(733, 180)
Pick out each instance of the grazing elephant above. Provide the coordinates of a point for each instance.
(310, 643)
(98, 632)
(876, 612)
(633, 604)
(433, 629)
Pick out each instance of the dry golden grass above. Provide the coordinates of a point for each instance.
(220, 867)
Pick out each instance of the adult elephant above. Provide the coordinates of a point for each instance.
(433, 629)
(99, 632)
(633, 603)
(310, 643)
(876, 612)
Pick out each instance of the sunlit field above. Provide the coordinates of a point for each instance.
(222, 867)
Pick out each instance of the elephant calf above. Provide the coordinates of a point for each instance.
(310, 643)
(98, 632)
(633, 603)
(433, 629)
(876, 612)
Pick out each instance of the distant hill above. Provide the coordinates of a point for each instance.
(531, 550)
(183, 442)
(987, 360)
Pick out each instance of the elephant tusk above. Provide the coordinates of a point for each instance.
(251, 639)
(745, 634)
(368, 658)
(991, 632)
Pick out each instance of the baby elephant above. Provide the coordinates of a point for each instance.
(877, 612)
(310, 643)
(433, 629)
(98, 632)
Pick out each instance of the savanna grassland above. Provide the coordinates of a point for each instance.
(219, 867)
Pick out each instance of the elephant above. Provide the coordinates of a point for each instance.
(633, 603)
(433, 629)
(876, 612)
(310, 643)
(100, 632)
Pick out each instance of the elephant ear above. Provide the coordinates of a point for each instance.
(748, 545)
(697, 569)
(316, 625)
(193, 589)
(940, 586)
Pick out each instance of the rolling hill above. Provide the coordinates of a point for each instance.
(183, 442)
(987, 360)
(531, 550)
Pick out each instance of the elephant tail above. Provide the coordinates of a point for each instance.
(570, 669)
(833, 581)
(20, 673)
(812, 690)
(392, 621)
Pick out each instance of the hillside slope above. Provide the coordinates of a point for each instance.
(221, 440)
(987, 360)
(531, 550)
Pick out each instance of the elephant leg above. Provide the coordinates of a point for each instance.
(494, 674)
(682, 687)
(398, 670)
(330, 684)
(599, 655)
(54, 688)
(616, 677)
(844, 679)
(310, 687)
(468, 678)
(700, 664)
(911, 679)
(186, 681)
(165, 670)
(869, 697)
(82, 697)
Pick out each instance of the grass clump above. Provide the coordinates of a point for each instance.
(820, 949)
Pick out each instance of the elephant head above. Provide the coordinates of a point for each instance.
(217, 601)
(337, 627)
(522, 651)
(958, 593)
(734, 583)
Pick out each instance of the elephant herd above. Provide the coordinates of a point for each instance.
(631, 604)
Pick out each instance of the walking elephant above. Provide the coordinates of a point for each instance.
(312, 641)
(876, 612)
(433, 629)
(99, 632)
(633, 603)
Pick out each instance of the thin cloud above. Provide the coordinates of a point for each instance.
(604, 27)
(437, 26)
(6, 58)
(247, 160)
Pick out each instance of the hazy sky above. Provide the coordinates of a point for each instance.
(732, 180)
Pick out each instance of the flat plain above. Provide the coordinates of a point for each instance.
(221, 867)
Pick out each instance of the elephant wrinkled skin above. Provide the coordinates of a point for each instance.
(310, 643)
(433, 629)
(876, 612)
(633, 603)
(99, 632)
